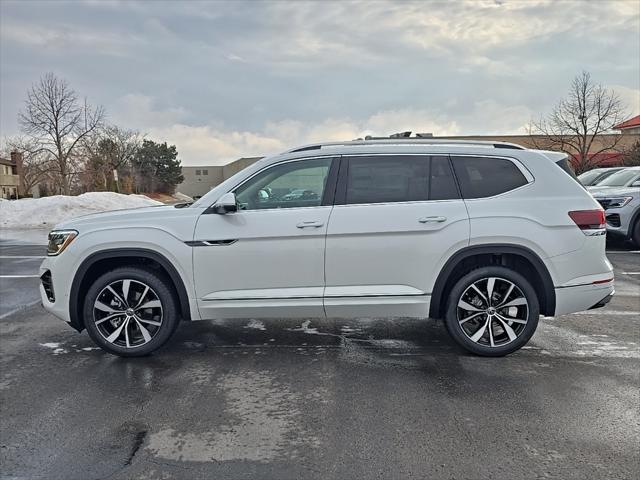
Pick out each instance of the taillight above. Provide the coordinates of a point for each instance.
(588, 219)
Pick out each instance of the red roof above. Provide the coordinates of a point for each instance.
(632, 122)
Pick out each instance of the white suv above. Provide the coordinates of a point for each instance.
(487, 236)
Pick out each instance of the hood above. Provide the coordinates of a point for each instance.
(134, 217)
(602, 192)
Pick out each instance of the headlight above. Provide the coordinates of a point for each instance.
(617, 202)
(59, 240)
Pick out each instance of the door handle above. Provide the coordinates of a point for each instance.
(310, 224)
(433, 219)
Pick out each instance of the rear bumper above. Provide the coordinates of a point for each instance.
(582, 297)
(604, 301)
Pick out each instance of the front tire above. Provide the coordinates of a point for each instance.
(492, 311)
(130, 311)
(635, 233)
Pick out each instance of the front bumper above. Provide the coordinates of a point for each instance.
(54, 290)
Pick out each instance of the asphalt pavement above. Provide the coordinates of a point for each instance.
(333, 399)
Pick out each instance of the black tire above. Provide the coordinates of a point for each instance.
(635, 233)
(159, 291)
(528, 313)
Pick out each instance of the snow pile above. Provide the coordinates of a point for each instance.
(48, 211)
(182, 197)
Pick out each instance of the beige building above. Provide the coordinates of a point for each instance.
(199, 180)
(10, 172)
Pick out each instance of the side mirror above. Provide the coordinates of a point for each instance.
(226, 204)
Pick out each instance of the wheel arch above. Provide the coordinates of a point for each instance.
(476, 256)
(635, 218)
(105, 260)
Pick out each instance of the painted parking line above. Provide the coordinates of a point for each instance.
(23, 256)
(19, 276)
(630, 273)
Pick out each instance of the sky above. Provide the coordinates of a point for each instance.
(223, 80)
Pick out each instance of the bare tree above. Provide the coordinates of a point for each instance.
(37, 164)
(577, 123)
(56, 121)
(109, 151)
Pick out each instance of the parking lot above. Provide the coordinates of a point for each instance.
(318, 399)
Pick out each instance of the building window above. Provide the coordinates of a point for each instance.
(197, 172)
(205, 172)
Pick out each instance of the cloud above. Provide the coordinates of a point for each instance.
(219, 145)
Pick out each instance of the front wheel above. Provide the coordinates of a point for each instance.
(130, 311)
(492, 311)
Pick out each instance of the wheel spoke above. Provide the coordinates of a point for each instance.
(141, 299)
(491, 341)
(145, 333)
(150, 304)
(482, 296)
(467, 306)
(115, 294)
(470, 317)
(506, 296)
(150, 322)
(110, 317)
(480, 332)
(105, 308)
(126, 284)
(510, 319)
(512, 335)
(126, 334)
(116, 333)
(515, 303)
(491, 282)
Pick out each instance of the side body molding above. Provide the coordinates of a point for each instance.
(77, 287)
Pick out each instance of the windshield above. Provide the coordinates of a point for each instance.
(620, 179)
(588, 177)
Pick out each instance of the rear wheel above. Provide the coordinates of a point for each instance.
(492, 311)
(130, 311)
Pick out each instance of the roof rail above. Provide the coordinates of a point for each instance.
(408, 141)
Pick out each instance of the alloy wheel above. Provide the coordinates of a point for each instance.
(492, 312)
(127, 313)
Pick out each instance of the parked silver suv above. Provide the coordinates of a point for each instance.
(619, 195)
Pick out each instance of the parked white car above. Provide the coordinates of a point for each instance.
(487, 236)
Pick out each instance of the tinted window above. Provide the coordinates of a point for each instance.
(443, 185)
(289, 185)
(621, 178)
(481, 177)
(381, 179)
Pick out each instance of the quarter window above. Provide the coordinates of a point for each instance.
(481, 177)
(288, 185)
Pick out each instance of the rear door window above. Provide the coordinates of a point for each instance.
(481, 177)
(443, 184)
(384, 179)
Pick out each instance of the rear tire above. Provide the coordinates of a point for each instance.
(130, 311)
(492, 311)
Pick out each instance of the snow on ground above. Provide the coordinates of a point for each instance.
(48, 211)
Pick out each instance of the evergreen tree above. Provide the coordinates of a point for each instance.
(157, 167)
